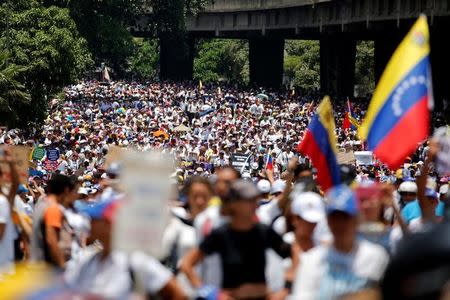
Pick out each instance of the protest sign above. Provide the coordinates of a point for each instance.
(442, 136)
(364, 158)
(142, 219)
(114, 154)
(241, 162)
(20, 155)
(346, 157)
(50, 166)
(53, 154)
(38, 153)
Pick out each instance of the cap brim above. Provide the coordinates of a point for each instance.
(312, 216)
(349, 212)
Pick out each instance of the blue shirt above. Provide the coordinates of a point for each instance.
(412, 211)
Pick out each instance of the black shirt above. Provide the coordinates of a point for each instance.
(243, 253)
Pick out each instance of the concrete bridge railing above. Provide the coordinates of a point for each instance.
(251, 5)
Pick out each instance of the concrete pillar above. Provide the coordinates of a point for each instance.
(440, 64)
(176, 57)
(385, 46)
(337, 65)
(266, 61)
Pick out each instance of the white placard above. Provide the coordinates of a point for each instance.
(364, 158)
(142, 219)
(442, 135)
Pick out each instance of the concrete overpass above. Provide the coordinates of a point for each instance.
(338, 24)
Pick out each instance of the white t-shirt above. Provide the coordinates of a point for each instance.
(80, 226)
(181, 234)
(7, 241)
(328, 274)
(112, 278)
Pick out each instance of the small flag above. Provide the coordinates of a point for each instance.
(105, 74)
(398, 117)
(349, 119)
(269, 162)
(319, 144)
(311, 107)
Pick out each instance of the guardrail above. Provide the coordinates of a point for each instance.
(249, 5)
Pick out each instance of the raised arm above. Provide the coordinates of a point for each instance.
(189, 261)
(426, 207)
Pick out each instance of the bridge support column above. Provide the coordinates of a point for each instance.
(440, 65)
(266, 61)
(337, 65)
(385, 46)
(176, 57)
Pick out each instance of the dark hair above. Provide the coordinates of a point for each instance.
(58, 184)
(300, 168)
(236, 172)
(196, 179)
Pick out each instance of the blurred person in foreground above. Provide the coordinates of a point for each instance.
(374, 201)
(48, 219)
(307, 209)
(180, 236)
(113, 274)
(241, 245)
(7, 229)
(348, 265)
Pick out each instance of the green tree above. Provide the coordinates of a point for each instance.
(144, 61)
(365, 67)
(12, 91)
(46, 42)
(104, 24)
(220, 59)
(302, 63)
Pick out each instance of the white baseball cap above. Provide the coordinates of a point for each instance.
(309, 206)
(408, 186)
(263, 186)
(278, 186)
(443, 189)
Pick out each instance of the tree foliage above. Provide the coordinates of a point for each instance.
(365, 67)
(104, 25)
(12, 91)
(220, 59)
(144, 61)
(45, 44)
(302, 63)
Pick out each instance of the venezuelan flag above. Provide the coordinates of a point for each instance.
(355, 124)
(319, 144)
(269, 162)
(398, 116)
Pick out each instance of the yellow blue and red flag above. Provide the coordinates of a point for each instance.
(398, 116)
(319, 144)
(269, 162)
(349, 119)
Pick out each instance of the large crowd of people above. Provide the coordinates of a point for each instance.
(257, 228)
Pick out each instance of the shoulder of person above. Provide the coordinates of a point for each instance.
(371, 259)
(3, 199)
(371, 249)
(316, 254)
